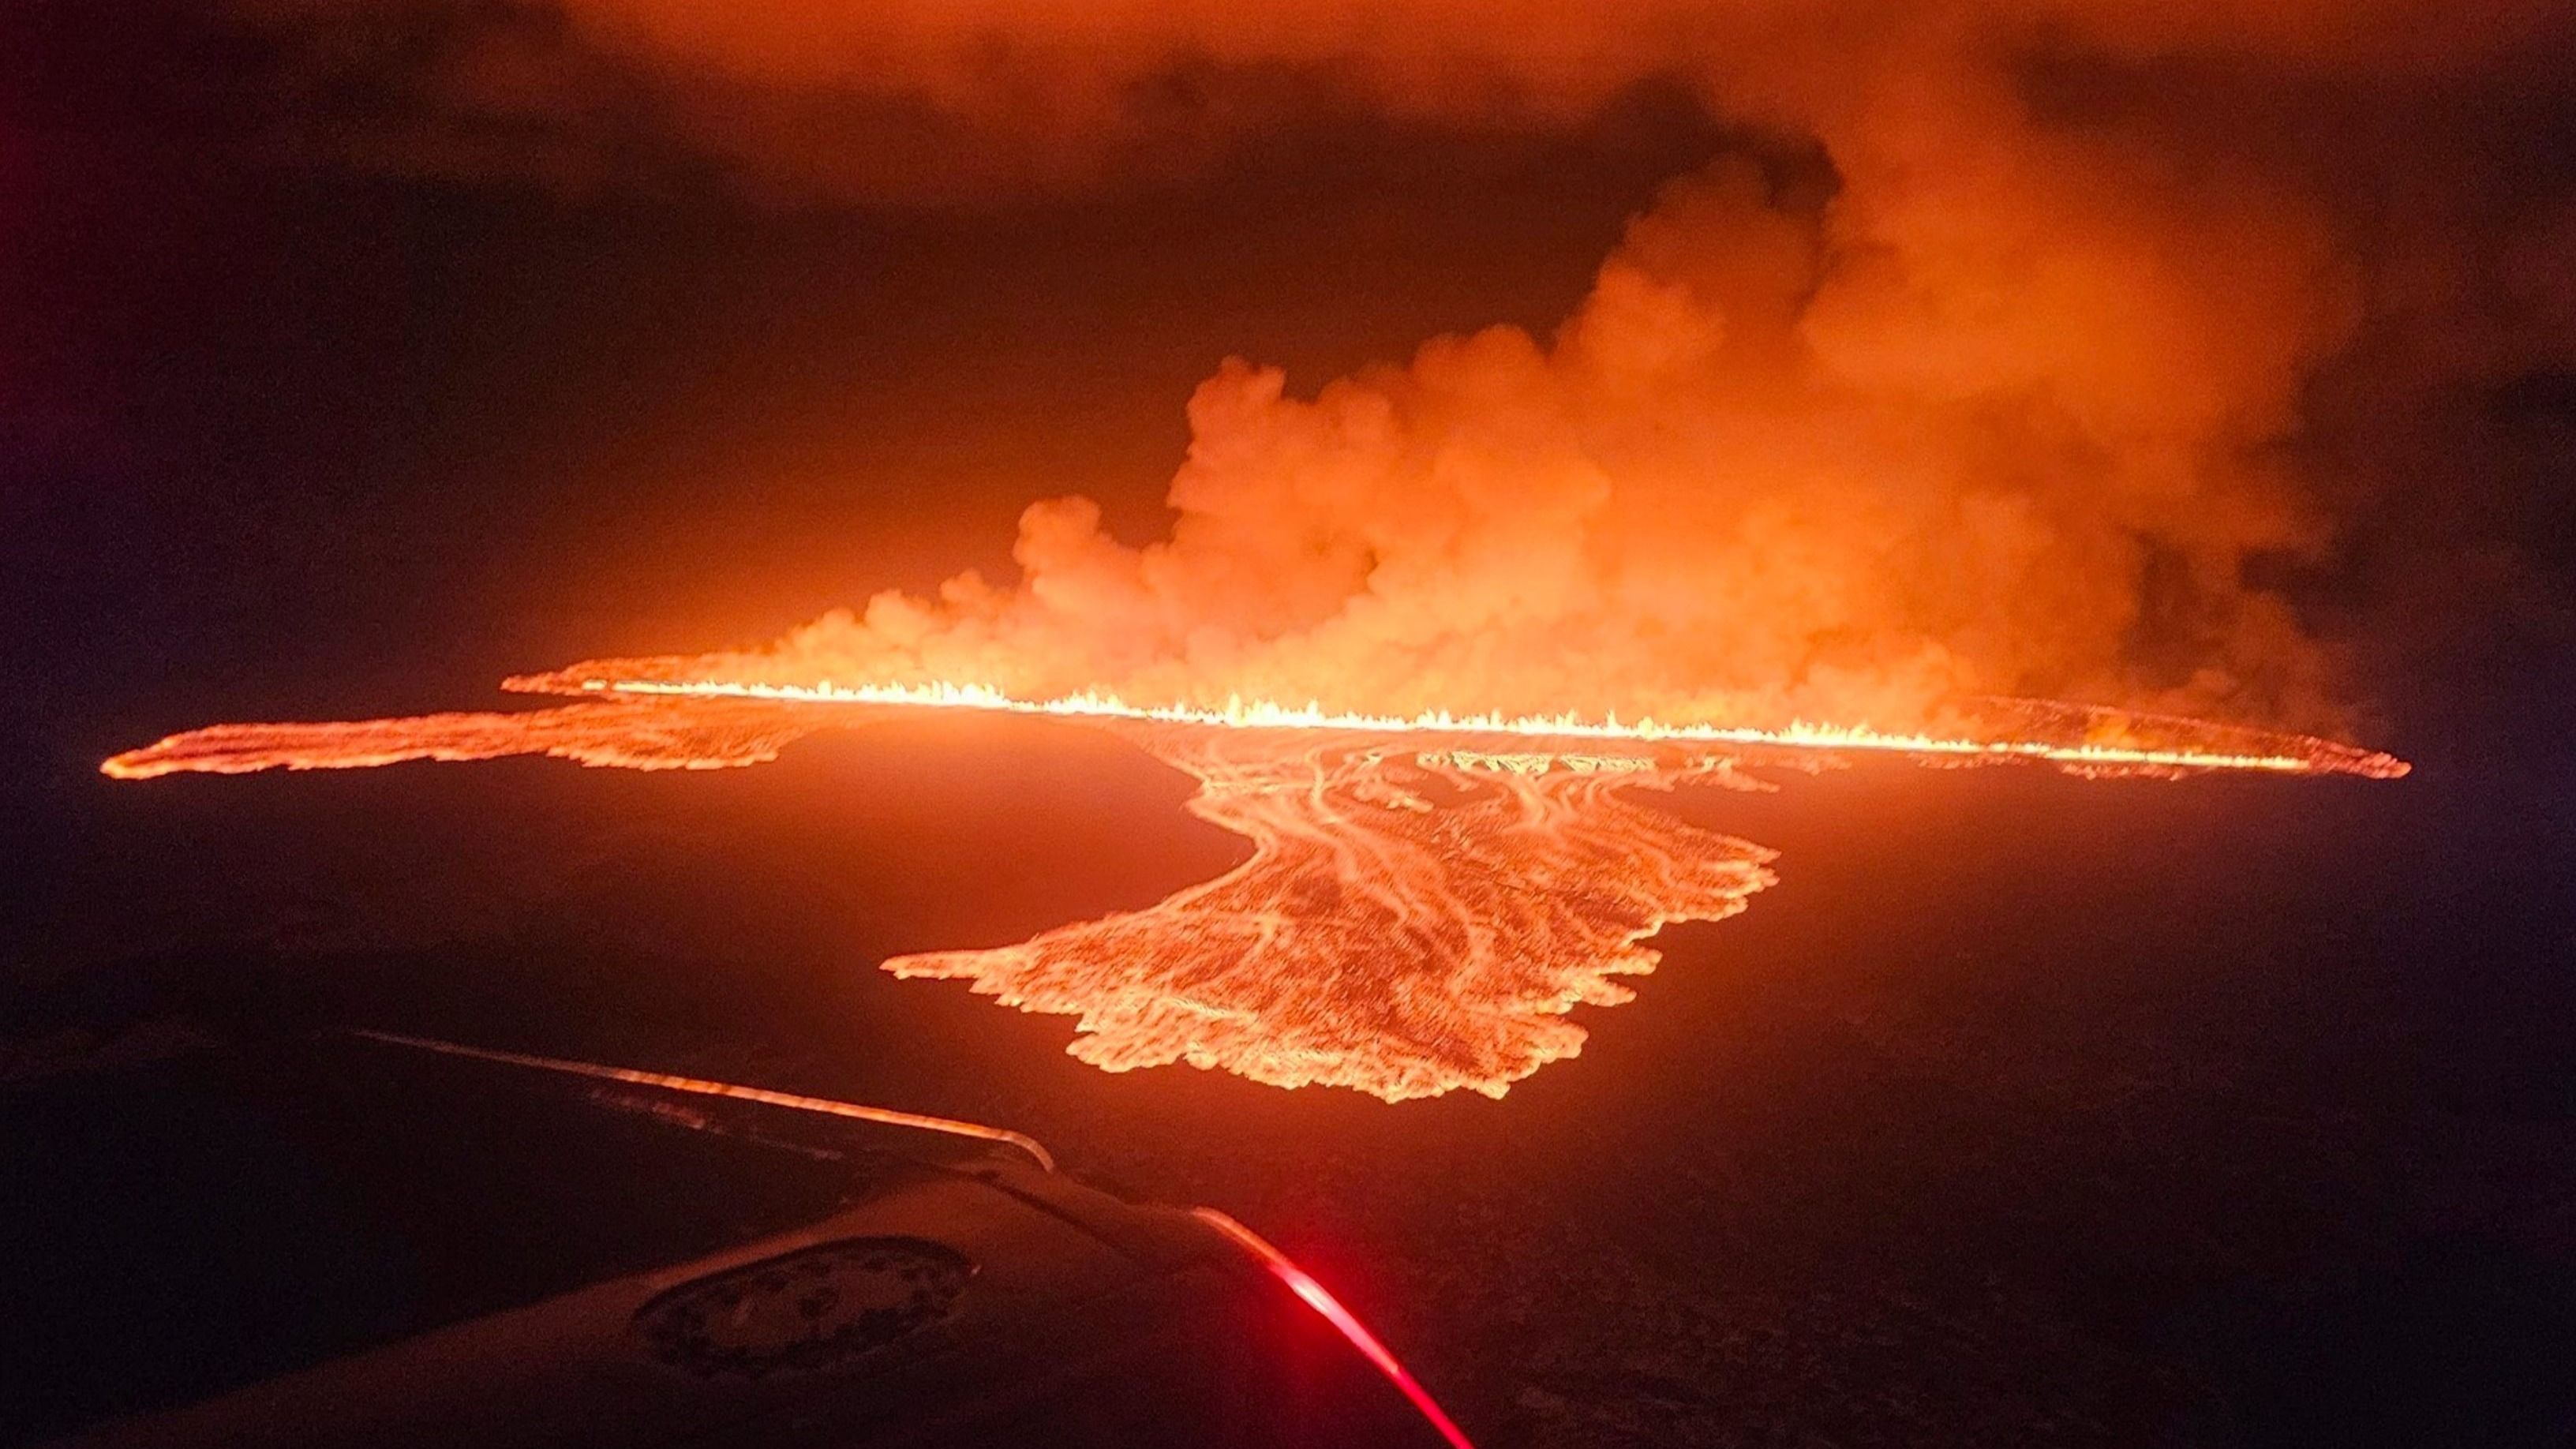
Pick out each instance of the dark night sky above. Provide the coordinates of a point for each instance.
(312, 438)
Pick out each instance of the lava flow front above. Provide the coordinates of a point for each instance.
(1426, 900)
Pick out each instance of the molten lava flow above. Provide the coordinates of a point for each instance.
(626, 734)
(1403, 927)
(1426, 899)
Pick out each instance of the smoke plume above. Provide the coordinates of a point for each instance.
(1991, 367)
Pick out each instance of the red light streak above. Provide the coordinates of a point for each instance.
(1315, 1296)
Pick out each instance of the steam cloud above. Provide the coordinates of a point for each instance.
(1994, 371)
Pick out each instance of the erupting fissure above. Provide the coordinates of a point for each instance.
(1427, 897)
(2295, 754)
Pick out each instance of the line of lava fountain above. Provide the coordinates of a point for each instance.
(2300, 754)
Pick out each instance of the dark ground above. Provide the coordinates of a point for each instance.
(2024, 1109)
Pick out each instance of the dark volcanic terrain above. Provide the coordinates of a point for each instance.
(2023, 1109)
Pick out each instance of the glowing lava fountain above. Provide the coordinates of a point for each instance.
(1427, 897)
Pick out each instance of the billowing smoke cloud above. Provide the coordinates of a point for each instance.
(1994, 375)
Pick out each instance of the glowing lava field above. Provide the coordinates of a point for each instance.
(1426, 898)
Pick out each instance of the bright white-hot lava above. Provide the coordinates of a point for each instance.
(2293, 754)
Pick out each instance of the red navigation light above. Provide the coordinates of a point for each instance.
(1303, 1284)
